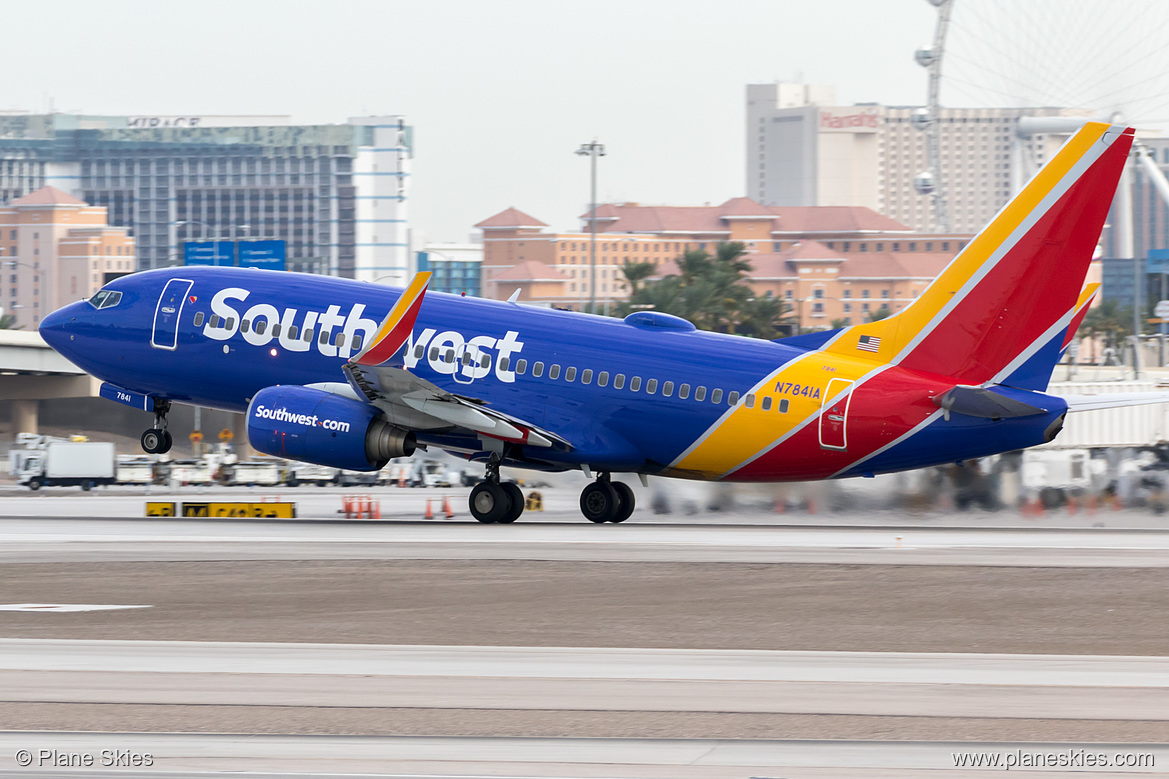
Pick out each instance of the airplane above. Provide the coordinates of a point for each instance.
(350, 374)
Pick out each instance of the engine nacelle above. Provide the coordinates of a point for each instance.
(301, 423)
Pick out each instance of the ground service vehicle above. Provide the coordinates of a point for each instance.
(65, 463)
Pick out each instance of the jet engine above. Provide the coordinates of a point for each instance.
(301, 423)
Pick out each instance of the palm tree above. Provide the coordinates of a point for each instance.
(636, 272)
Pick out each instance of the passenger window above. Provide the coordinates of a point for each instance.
(276, 330)
(230, 322)
(339, 339)
(199, 319)
(485, 361)
(355, 345)
(619, 381)
(537, 369)
(245, 325)
(434, 354)
(449, 356)
(308, 335)
(293, 332)
(521, 366)
(418, 351)
(324, 339)
(504, 362)
(700, 394)
(749, 402)
(466, 360)
(684, 391)
(586, 376)
(716, 396)
(570, 373)
(651, 386)
(635, 384)
(783, 406)
(667, 389)
(554, 372)
(603, 379)
(766, 406)
(732, 399)
(214, 320)
(261, 326)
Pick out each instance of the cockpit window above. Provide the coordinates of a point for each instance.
(105, 299)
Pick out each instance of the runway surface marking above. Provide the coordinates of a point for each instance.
(108, 540)
(66, 607)
(380, 676)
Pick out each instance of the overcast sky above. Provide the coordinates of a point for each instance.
(500, 92)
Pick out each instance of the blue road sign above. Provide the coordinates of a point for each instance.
(1158, 261)
(269, 255)
(208, 253)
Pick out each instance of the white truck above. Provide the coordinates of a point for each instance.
(64, 463)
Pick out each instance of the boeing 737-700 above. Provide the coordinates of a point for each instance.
(351, 375)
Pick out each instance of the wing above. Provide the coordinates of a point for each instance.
(378, 375)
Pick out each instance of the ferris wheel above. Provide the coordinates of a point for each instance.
(1106, 58)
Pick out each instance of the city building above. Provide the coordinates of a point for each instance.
(55, 249)
(457, 267)
(827, 262)
(336, 194)
(803, 149)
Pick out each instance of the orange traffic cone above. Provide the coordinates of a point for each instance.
(377, 509)
(429, 510)
(446, 508)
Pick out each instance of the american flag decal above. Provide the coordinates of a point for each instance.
(868, 343)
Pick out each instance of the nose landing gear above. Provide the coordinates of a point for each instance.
(494, 502)
(607, 501)
(158, 440)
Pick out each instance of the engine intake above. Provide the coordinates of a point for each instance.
(311, 425)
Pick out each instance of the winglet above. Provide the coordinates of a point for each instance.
(397, 325)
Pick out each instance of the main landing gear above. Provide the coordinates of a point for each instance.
(158, 440)
(495, 502)
(607, 501)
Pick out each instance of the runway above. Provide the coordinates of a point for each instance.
(548, 648)
(181, 756)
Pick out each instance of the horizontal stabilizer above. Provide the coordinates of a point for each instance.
(985, 403)
(1115, 400)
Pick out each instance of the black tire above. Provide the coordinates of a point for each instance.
(86, 486)
(167, 442)
(34, 483)
(292, 482)
(626, 499)
(152, 441)
(516, 496)
(489, 502)
(599, 502)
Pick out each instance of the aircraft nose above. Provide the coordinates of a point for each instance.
(55, 328)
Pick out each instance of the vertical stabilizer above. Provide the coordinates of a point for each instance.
(1017, 285)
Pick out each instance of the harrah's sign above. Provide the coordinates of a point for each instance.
(866, 119)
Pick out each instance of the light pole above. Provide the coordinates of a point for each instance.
(592, 151)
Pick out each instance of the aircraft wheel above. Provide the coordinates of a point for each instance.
(516, 496)
(167, 442)
(489, 502)
(153, 441)
(599, 502)
(626, 501)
